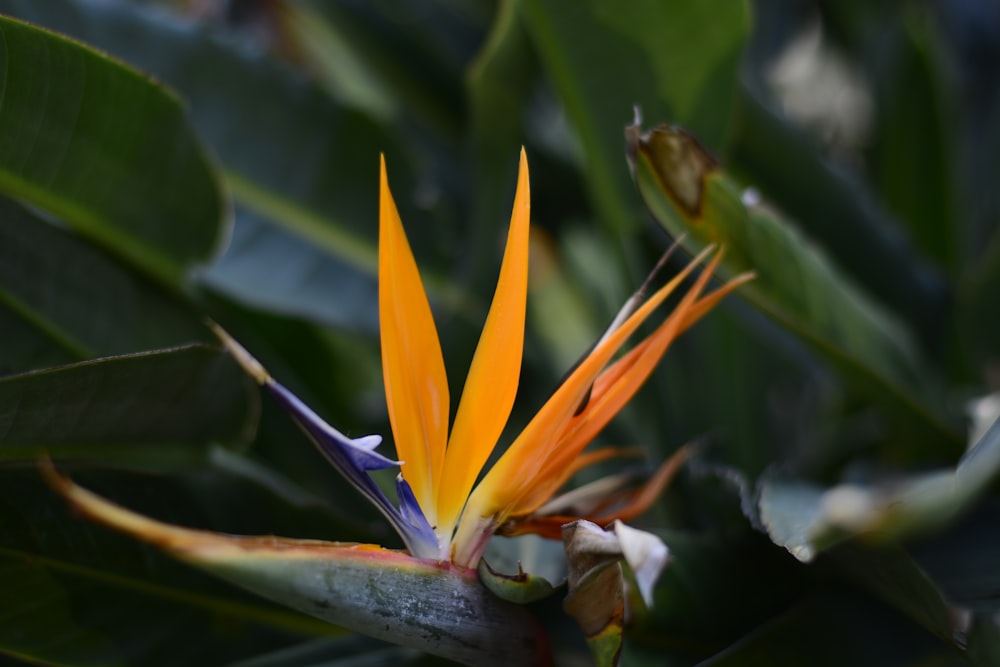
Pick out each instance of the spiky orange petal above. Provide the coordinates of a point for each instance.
(491, 385)
(612, 390)
(618, 384)
(416, 388)
(516, 472)
(630, 504)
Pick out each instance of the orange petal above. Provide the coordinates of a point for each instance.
(629, 505)
(618, 384)
(651, 490)
(492, 381)
(517, 471)
(416, 388)
(611, 391)
(558, 477)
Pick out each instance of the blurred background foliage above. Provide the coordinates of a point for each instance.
(816, 525)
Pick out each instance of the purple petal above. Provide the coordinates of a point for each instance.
(409, 508)
(334, 444)
(353, 458)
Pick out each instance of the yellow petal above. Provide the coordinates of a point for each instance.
(416, 388)
(492, 381)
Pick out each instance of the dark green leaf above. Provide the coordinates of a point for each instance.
(912, 157)
(305, 168)
(840, 213)
(806, 518)
(76, 299)
(796, 284)
(890, 574)
(131, 176)
(351, 651)
(74, 593)
(714, 591)
(675, 59)
(192, 395)
(839, 629)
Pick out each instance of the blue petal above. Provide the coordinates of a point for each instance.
(409, 508)
(353, 458)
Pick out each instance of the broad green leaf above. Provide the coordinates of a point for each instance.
(65, 614)
(913, 155)
(498, 85)
(806, 518)
(190, 396)
(400, 62)
(560, 311)
(839, 628)
(78, 300)
(963, 559)
(796, 284)
(267, 268)
(681, 59)
(346, 74)
(716, 589)
(838, 211)
(74, 593)
(435, 607)
(977, 317)
(891, 575)
(303, 167)
(23, 348)
(130, 175)
(350, 651)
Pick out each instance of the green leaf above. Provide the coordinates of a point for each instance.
(190, 396)
(78, 300)
(716, 589)
(435, 607)
(74, 593)
(521, 588)
(806, 518)
(267, 268)
(302, 169)
(839, 628)
(351, 651)
(977, 318)
(400, 62)
(838, 211)
(897, 580)
(796, 285)
(679, 59)
(130, 175)
(913, 155)
(498, 85)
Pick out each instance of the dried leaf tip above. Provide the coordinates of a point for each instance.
(252, 367)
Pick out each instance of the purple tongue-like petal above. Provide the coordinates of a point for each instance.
(353, 458)
(335, 445)
(409, 508)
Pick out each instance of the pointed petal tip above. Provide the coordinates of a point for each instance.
(252, 367)
(369, 442)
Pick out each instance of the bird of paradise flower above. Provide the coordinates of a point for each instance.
(444, 517)
(442, 513)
